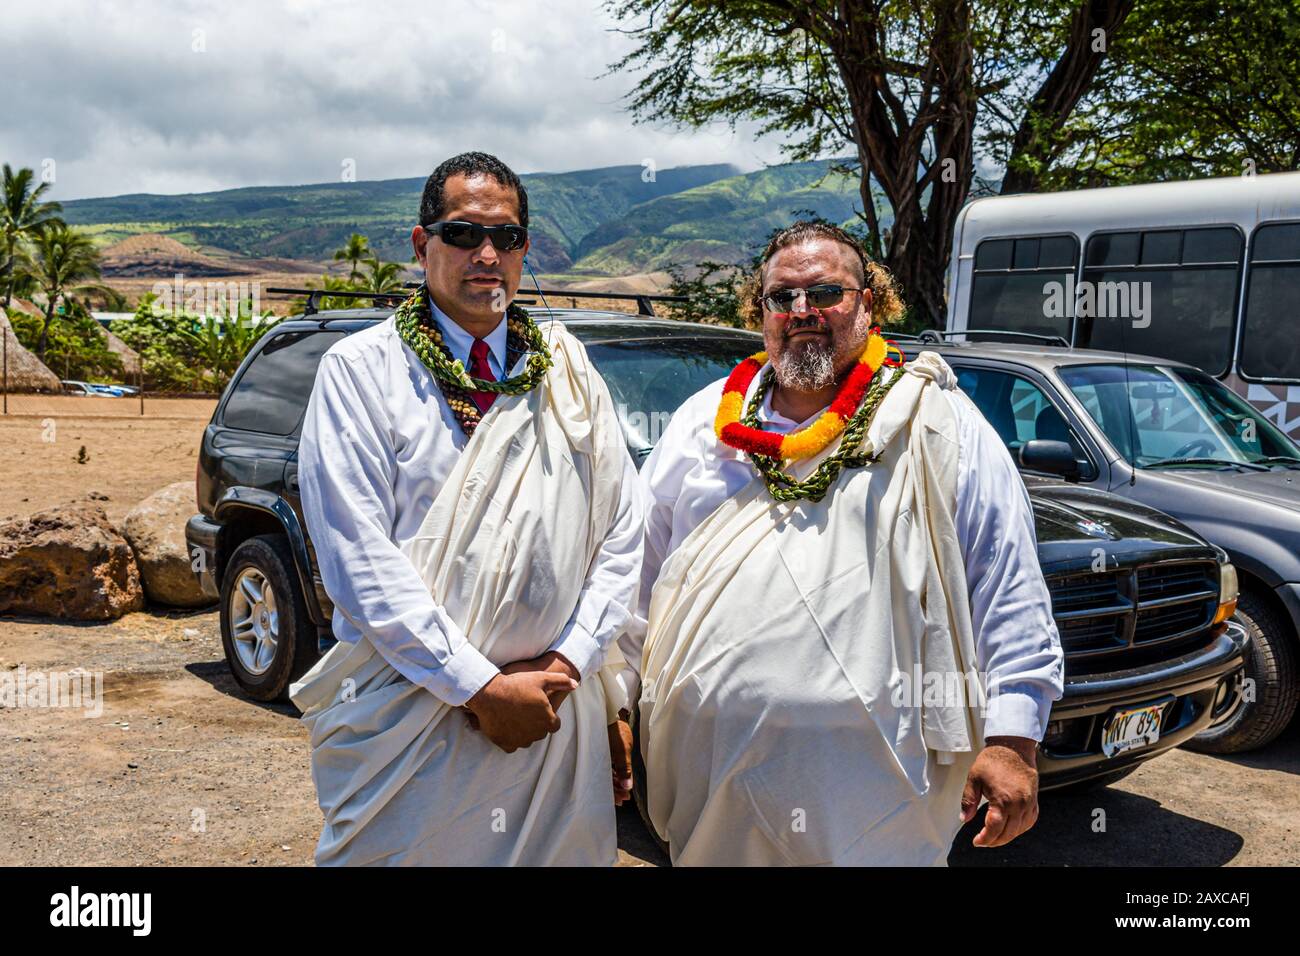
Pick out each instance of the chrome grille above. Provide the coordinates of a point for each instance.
(1114, 612)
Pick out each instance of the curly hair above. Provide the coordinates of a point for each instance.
(886, 303)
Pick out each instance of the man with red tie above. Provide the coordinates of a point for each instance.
(477, 523)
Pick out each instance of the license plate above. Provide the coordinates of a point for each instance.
(1131, 729)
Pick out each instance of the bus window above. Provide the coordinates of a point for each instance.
(1168, 293)
(1011, 284)
(1270, 339)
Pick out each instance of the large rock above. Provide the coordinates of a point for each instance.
(67, 562)
(156, 529)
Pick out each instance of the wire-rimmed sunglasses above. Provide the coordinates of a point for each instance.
(469, 235)
(821, 296)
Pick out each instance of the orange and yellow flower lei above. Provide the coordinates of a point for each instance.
(805, 442)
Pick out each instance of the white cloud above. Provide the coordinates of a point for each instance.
(194, 95)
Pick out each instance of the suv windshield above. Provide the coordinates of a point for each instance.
(650, 378)
(1159, 417)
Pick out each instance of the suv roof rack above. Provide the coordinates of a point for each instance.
(1034, 336)
(644, 302)
(313, 294)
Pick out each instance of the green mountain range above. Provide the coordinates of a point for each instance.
(618, 220)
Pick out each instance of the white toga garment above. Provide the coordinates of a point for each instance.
(763, 716)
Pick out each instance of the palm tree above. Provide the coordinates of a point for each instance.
(357, 248)
(60, 261)
(22, 216)
(383, 277)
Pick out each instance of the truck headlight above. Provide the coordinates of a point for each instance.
(1227, 592)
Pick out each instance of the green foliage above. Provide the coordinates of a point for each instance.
(76, 348)
(219, 343)
(722, 221)
(23, 215)
(713, 293)
(183, 352)
(354, 250)
(1058, 94)
(1193, 88)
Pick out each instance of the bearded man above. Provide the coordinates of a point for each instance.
(479, 534)
(848, 639)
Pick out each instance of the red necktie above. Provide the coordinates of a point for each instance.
(479, 368)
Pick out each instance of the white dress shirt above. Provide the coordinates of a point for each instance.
(378, 443)
(690, 473)
(460, 342)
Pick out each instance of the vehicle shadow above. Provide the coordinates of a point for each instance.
(217, 674)
(1105, 827)
(1283, 754)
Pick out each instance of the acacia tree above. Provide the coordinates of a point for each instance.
(907, 87)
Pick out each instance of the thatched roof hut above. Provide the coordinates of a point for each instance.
(26, 372)
(129, 356)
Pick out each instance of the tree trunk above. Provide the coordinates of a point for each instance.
(1037, 140)
(892, 144)
(45, 332)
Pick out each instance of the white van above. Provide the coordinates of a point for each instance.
(1205, 272)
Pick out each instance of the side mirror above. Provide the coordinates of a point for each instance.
(1053, 457)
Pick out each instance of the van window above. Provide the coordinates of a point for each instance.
(1270, 338)
(1169, 293)
(1011, 280)
(272, 393)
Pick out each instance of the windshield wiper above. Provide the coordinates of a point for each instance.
(1278, 460)
(1174, 462)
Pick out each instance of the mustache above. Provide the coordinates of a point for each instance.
(803, 323)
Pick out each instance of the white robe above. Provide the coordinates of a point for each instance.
(505, 549)
(784, 647)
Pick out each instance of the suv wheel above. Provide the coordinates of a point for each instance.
(1271, 663)
(267, 635)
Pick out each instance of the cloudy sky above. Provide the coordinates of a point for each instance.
(173, 96)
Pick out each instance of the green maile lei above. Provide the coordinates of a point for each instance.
(781, 486)
(417, 329)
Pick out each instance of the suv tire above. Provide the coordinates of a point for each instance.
(268, 637)
(1271, 662)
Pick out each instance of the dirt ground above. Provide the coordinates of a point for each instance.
(128, 456)
(179, 768)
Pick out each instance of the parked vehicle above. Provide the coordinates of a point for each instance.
(1217, 262)
(1150, 652)
(73, 387)
(1171, 437)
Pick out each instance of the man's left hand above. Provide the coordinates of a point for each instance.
(620, 757)
(1005, 773)
(550, 661)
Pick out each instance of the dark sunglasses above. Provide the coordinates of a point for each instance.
(819, 297)
(469, 235)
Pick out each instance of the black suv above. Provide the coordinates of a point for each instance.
(1141, 601)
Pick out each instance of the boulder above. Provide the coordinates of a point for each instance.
(156, 530)
(67, 562)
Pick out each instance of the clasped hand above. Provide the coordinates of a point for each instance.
(518, 707)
